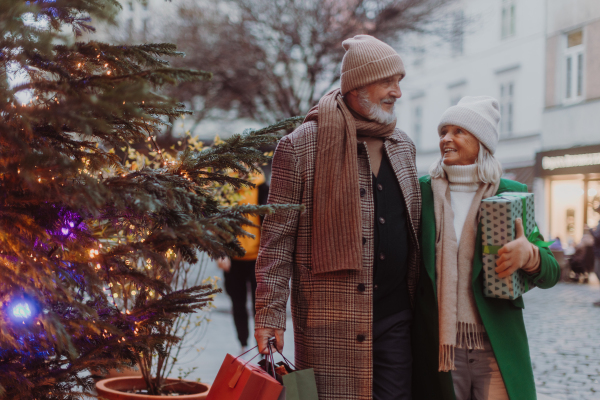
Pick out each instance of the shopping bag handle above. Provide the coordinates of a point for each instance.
(247, 351)
(273, 342)
(289, 363)
(238, 373)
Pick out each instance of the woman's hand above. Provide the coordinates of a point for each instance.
(519, 253)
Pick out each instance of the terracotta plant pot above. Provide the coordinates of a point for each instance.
(114, 373)
(111, 389)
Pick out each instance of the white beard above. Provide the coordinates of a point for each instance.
(375, 111)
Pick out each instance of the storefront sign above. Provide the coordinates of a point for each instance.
(576, 160)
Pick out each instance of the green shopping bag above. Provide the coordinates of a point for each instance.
(300, 385)
(297, 384)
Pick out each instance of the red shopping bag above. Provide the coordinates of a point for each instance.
(241, 380)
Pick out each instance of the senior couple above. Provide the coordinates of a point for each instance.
(385, 268)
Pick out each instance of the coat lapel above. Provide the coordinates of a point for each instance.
(428, 233)
(402, 160)
(401, 153)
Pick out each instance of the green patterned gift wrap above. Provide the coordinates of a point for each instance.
(498, 218)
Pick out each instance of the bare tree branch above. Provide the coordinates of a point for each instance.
(274, 59)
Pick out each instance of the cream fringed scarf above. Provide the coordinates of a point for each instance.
(458, 316)
(337, 221)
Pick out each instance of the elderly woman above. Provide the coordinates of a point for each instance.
(465, 345)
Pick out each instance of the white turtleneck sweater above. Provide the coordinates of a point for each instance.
(463, 181)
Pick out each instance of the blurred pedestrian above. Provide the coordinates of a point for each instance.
(596, 235)
(467, 346)
(238, 273)
(582, 261)
(352, 255)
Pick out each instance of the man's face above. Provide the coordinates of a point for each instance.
(376, 101)
(385, 92)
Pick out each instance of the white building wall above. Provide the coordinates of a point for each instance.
(568, 123)
(487, 61)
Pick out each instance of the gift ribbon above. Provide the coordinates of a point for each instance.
(534, 236)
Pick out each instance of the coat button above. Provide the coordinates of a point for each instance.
(381, 220)
(379, 187)
(470, 350)
(361, 287)
(362, 192)
(381, 256)
(375, 287)
(471, 361)
(360, 338)
(364, 240)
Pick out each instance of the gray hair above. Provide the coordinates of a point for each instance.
(375, 111)
(489, 168)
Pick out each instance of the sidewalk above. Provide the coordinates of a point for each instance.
(562, 325)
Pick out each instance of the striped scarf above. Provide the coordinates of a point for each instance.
(337, 226)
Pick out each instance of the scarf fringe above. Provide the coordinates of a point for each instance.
(469, 335)
(446, 361)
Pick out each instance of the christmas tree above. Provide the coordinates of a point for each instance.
(89, 244)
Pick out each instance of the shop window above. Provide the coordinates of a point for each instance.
(593, 204)
(566, 212)
(507, 91)
(573, 67)
(508, 18)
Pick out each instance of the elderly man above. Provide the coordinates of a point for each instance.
(352, 255)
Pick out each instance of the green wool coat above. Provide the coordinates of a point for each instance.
(503, 319)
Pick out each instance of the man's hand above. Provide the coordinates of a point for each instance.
(262, 336)
(519, 253)
(224, 263)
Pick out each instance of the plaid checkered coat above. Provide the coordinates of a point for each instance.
(332, 318)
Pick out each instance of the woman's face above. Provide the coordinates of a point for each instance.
(458, 146)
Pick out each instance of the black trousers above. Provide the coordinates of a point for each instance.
(237, 280)
(392, 357)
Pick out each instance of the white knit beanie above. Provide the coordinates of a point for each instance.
(479, 115)
(368, 60)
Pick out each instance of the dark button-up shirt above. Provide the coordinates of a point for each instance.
(390, 294)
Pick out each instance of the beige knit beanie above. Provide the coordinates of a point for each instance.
(368, 60)
(479, 115)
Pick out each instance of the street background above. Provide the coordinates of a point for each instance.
(539, 58)
(562, 325)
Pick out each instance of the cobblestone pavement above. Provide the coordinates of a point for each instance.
(564, 337)
(562, 325)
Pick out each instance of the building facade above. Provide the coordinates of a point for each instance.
(496, 49)
(568, 169)
(538, 58)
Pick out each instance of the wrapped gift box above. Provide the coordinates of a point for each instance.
(498, 216)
